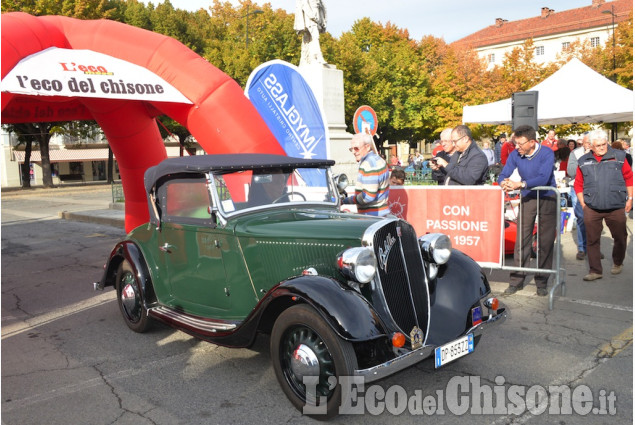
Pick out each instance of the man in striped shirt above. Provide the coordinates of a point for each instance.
(373, 178)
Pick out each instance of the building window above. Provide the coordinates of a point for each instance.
(76, 168)
(565, 46)
(540, 50)
(491, 58)
(595, 41)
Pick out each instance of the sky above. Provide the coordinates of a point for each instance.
(447, 19)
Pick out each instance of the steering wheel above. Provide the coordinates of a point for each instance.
(288, 196)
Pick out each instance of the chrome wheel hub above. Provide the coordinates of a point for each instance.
(129, 297)
(304, 362)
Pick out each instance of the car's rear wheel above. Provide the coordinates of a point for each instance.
(130, 299)
(304, 346)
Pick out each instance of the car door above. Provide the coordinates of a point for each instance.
(191, 247)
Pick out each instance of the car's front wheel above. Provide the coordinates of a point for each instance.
(130, 299)
(309, 360)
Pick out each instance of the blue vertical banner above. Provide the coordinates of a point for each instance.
(289, 108)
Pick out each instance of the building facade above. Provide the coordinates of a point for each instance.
(552, 31)
(71, 162)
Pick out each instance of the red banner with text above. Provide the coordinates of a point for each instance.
(472, 216)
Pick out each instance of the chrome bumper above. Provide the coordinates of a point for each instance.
(406, 360)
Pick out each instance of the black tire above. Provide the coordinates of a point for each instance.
(302, 327)
(131, 304)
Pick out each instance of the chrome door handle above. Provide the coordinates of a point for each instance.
(166, 247)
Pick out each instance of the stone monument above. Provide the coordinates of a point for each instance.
(326, 81)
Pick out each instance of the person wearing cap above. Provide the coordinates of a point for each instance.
(604, 187)
(373, 178)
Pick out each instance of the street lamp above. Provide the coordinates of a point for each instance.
(246, 16)
(614, 130)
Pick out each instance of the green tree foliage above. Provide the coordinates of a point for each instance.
(624, 53)
(381, 70)
(417, 88)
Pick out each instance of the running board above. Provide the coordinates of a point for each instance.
(186, 321)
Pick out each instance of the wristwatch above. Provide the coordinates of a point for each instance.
(523, 184)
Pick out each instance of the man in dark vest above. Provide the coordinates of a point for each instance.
(604, 188)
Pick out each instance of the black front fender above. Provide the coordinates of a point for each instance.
(344, 309)
(128, 250)
(459, 285)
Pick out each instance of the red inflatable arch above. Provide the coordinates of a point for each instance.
(220, 117)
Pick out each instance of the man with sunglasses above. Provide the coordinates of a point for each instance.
(534, 163)
(373, 178)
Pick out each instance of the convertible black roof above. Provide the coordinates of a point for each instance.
(225, 163)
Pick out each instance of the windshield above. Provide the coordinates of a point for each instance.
(263, 188)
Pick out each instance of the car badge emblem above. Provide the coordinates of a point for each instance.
(416, 337)
(384, 251)
(477, 317)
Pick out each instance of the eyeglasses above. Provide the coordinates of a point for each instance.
(455, 141)
(523, 143)
(355, 149)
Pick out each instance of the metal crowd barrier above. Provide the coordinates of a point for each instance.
(420, 177)
(557, 271)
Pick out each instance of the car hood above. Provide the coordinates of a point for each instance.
(304, 224)
(281, 243)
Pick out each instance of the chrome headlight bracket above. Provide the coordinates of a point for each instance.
(358, 264)
(435, 248)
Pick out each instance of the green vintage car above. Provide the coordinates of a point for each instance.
(244, 243)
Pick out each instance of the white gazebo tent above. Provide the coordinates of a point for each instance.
(573, 94)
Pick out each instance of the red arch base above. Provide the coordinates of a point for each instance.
(221, 118)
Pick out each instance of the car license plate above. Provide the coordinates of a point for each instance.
(453, 350)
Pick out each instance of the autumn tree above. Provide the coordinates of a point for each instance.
(381, 69)
(460, 78)
(623, 53)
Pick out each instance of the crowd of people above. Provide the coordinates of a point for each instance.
(599, 175)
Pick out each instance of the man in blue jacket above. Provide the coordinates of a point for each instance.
(534, 163)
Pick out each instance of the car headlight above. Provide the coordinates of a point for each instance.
(435, 247)
(358, 264)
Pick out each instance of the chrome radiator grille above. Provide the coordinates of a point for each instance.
(401, 275)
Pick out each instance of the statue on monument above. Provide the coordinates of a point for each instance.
(310, 21)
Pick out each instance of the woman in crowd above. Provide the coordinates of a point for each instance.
(618, 144)
(562, 155)
(571, 143)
